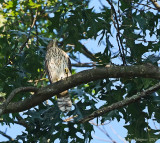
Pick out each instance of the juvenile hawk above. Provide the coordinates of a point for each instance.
(58, 66)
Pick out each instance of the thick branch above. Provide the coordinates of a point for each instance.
(145, 71)
(122, 103)
(155, 3)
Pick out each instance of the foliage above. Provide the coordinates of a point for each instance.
(130, 31)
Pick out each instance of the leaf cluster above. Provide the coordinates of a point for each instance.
(130, 33)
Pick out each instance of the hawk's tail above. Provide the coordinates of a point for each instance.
(64, 102)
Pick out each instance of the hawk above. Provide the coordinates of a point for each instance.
(58, 66)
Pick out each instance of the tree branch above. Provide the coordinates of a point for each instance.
(13, 93)
(88, 54)
(116, 25)
(122, 103)
(7, 136)
(29, 35)
(85, 52)
(22, 122)
(156, 4)
(92, 64)
(19, 122)
(42, 94)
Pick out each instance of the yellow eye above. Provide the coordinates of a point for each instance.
(66, 70)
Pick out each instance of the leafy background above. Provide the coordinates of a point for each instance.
(129, 32)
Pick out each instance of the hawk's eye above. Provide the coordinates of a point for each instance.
(66, 70)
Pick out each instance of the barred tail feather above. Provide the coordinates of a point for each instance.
(64, 103)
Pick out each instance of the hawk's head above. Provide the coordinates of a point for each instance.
(52, 43)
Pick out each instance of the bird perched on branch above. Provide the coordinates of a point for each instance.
(58, 66)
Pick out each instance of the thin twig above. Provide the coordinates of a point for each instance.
(120, 104)
(7, 136)
(88, 54)
(91, 64)
(91, 122)
(145, 5)
(22, 123)
(26, 41)
(101, 139)
(116, 25)
(105, 132)
(70, 118)
(31, 27)
(122, 139)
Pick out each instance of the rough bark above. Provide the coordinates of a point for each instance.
(42, 94)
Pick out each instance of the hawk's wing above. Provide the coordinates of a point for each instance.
(50, 61)
(69, 65)
(46, 68)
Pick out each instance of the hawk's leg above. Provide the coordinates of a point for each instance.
(66, 71)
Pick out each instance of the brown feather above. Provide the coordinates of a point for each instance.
(56, 63)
